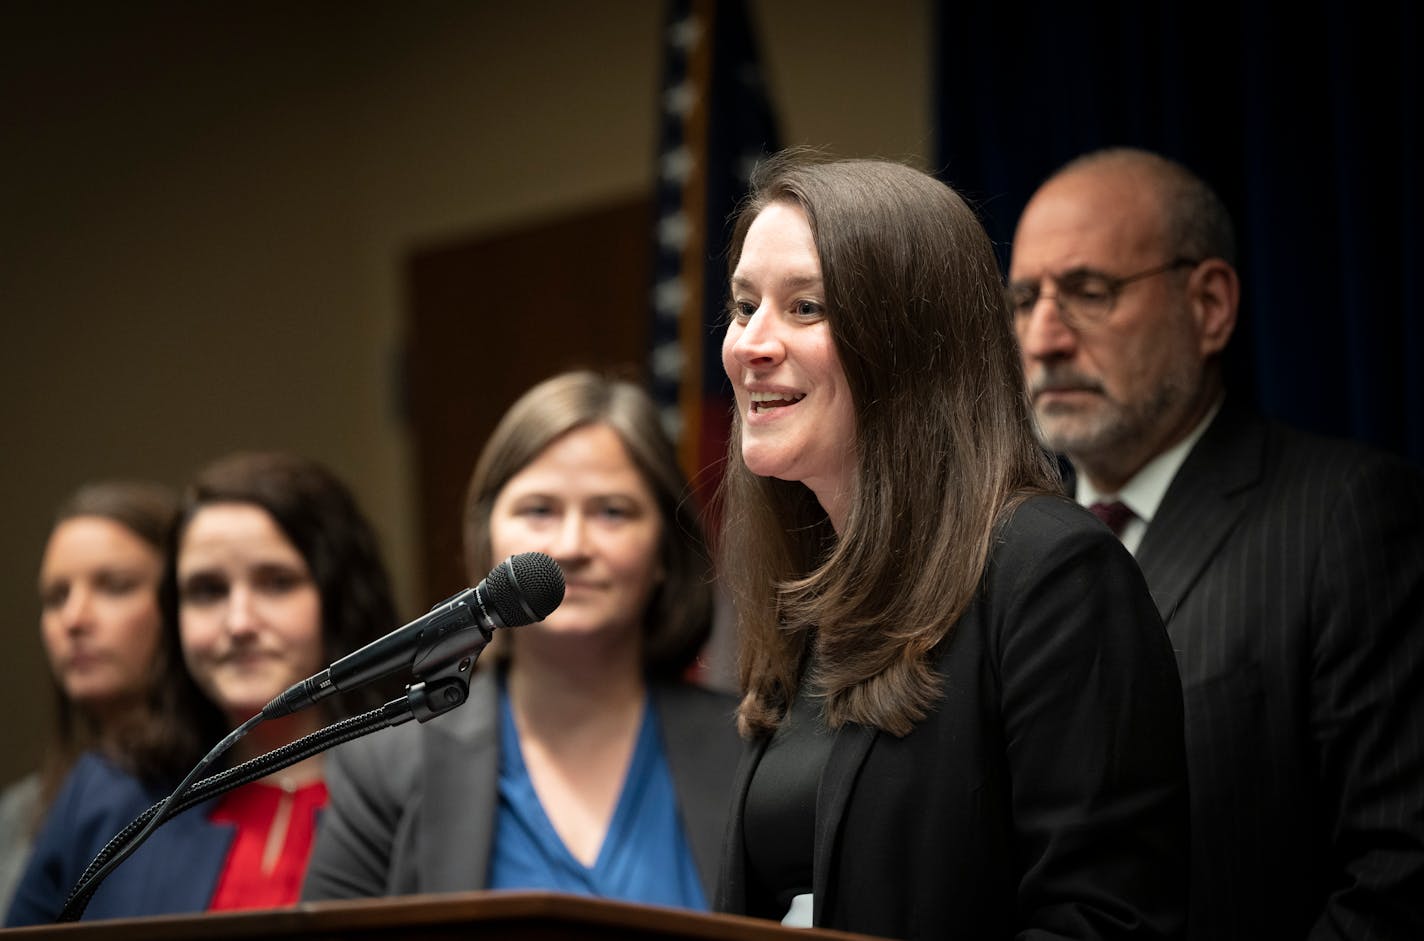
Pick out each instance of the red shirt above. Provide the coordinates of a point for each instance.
(268, 857)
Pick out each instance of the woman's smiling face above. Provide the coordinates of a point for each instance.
(797, 415)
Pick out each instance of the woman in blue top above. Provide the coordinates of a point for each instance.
(582, 762)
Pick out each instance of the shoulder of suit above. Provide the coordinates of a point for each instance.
(1044, 532)
(1042, 521)
(688, 704)
(96, 799)
(20, 797)
(94, 774)
(1332, 462)
(395, 752)
(693, 696)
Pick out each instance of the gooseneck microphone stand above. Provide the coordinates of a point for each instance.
(440, 647)
(442, 691)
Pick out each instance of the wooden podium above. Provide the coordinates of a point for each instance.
(506, 916)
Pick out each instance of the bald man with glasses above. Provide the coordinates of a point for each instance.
(1288, 568)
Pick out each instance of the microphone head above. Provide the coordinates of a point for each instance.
(525, 588)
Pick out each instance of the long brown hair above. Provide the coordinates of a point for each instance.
(943, 440)
(147, 510)
(679, 615)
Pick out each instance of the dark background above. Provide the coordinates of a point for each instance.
(1306, 119)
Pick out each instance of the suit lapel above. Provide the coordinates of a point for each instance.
(460, 756)
(1203, 504)
(698, 777)
(837, 782)
(732, 875)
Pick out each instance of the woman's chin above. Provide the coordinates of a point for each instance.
(566, 630)
(239, 705)
(587, 634)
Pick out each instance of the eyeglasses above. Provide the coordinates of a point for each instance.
(1084, 297)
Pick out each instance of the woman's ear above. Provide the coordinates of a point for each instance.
(1214, 293)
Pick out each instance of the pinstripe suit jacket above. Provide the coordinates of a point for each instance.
(413, 808)
(1289, 570)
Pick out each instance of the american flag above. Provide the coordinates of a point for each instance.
(716, 122)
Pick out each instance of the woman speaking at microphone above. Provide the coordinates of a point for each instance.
(962, 714)
(272, 572)
(582, 761)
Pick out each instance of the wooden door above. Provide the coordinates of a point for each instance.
(489, 317)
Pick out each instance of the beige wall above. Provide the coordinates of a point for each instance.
(205, 209)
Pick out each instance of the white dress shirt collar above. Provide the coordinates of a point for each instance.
(1144, 492)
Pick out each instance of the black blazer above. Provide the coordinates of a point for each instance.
(413, 808)
(1045, 793)
(1289, 570)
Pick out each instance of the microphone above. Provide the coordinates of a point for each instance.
(522, 589)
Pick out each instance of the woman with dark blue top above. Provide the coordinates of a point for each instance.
(270, 571)
(583, 761)
(101, 627)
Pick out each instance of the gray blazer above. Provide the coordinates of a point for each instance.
(413, 808)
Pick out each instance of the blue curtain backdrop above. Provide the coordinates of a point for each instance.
(1305, 117)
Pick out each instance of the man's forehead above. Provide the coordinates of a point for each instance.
(1088, 219)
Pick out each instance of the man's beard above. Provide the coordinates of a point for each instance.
(1106, 428)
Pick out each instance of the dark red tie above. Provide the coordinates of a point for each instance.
(1115, 514)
